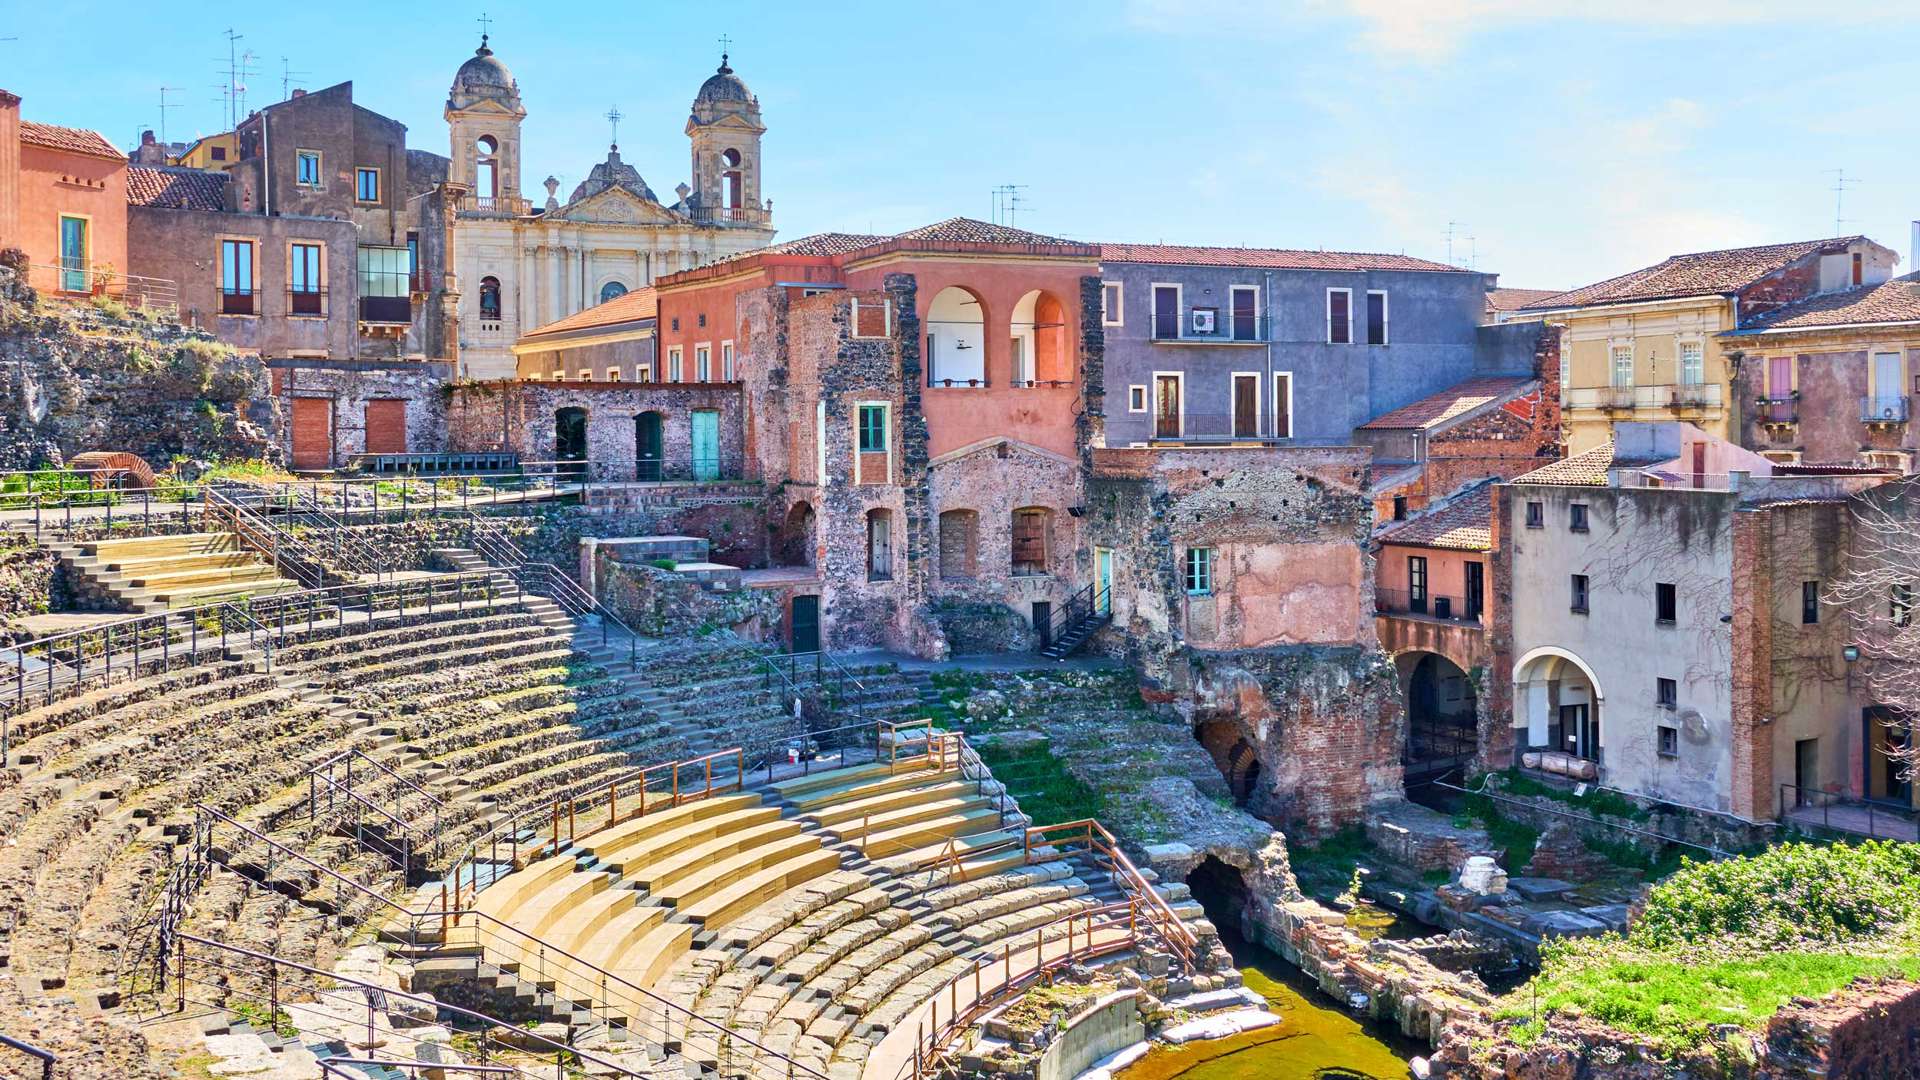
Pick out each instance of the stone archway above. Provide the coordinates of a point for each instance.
(1442, 713)
(795, 546)
(1236, 758)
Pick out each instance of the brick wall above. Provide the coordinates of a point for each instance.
(350, 385)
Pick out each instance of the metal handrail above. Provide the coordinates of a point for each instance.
(288, 553)
(1088, 600)
(1101, 842)
(1829, 799)
(353, 1068)
(48, 1059)
(290, 500)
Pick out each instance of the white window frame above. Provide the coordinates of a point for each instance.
(1255, 290)
(379, 185)
(1137, 398)
(586, 375)
(886, 308)
(1233, 403)
(886, 420)
(1329, 313)
(1386, 316)
(1118, 315)
(726, 361)
(1615, 347)
(1874, 389)
(1153, 404)
(613, 375)
(1179, 314)
(1680, 362)
(676, 363)
(1291, 420)
(703, 361)
(319, 169)
(643, 373)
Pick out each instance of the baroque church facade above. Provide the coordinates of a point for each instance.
(520, 267)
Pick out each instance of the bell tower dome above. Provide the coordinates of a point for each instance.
(483, 117)
(725, 128)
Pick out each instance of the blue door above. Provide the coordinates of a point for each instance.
(73, 254)
(706, 444)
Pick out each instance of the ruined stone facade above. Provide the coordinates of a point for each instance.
(527, 418)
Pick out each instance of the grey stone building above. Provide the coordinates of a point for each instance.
(1213, 345)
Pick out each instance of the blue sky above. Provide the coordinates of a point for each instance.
(1567, 145)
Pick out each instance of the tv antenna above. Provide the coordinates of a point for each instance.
(286, 78)
(164, 106)
(1841, 182)
(1453, 227)
(1007, 204)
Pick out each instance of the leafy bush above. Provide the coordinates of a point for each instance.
(1791, 893)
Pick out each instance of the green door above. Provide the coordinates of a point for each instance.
(1103, 580)
(73, 254)
(706, 444)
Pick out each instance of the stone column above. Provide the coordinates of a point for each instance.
(551, 301)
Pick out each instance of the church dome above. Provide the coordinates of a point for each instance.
(483, 75)
(612, 173)
(723, 87)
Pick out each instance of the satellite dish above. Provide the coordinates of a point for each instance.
(1694, 727)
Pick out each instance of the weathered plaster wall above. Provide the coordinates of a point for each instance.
(349, 385)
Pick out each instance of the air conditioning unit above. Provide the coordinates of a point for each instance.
(1203, 320)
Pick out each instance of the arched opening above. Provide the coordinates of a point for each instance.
(490, 298)
(1222, 892)
(649, 453)
(1232, 754)
(732, 187)
(959, 544)
(486, 167)
(879, 545)
(1029, 540)
(956, 339)
(1557, 694)
(570, 439)
(611, 290)
(1038, 340)
(796, 544)
(1442, 714)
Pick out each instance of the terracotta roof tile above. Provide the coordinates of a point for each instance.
(1464, 524)
(1697, 274)
(1266, 258)
(174, 188)
(631, 306)
(71, 140)
(1895, 301)
(1580, 470)
(973, 231)
(1453, 402)
(1516, 299)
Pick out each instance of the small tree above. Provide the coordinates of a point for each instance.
(1878, 586)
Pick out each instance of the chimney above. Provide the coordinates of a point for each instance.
(299, 93)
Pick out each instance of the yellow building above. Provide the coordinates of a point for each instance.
(215, 152)
(1646, 345)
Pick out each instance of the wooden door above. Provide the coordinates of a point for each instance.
(1246, 406)
(706, 444)
(386, 426)
(1166, 312)
(1780, 388)
(1166, 407)
(312, 433)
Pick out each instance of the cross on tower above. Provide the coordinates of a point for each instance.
(485, 22)
(614, 116)
(726, 44)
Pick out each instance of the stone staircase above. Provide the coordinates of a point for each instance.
(161, 573)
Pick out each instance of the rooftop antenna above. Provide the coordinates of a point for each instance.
(164, 106)
(241, 76)
(1453, 226)
(614, 116)
(1841, 181)
(232, 88)
(1007, 203)
(286, 78)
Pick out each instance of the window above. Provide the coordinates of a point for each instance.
(1476, 590)
(1417, 583)
(959, 544)
(306, 168)
(1622, 365)
(1282, 405)
(1577, 517)
(1399, 508)
(612, 290)
(703, 363)
(303, 279)
(1857, 276)
(1536, 515)
(490, 298)
(673, 365)
(1669, 741)
(1111, 313)
(1030, 541)
(236, 277)
(613, 375)
(1693, 364)
(217, 153)
(1579, 598)
(1198, 571)
(1666, 693)
(1376, 317)
(703, 320)
(1339, 316)
(1809, 603)
(675, 322)
(1136, 398)
(879, 545)
(1666, 604)
(726, 361)
(413, 262)
(585, 375)
(1166, 312)
(872, 319)
(384, 296)
(1900, 604)
(366, 184)
(643, 373)
(873, 429)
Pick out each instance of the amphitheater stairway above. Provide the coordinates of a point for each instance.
(160, 573)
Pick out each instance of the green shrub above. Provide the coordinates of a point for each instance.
(1596, 801)
(663, 564)
(1791, 893)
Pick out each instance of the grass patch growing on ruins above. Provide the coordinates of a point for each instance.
(1046, 791)
(1515, 839)
(1731, 942)
(1597, 801)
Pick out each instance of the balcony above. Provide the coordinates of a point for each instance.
(1887, 411)
(493, 206)
(237, 301)
(1778, 410)
(1465, 610)
(1206, 326)
(73, 282)
(390, 310)
(735, 215)
(1661, 398)
(307, 303)
(1202, 428)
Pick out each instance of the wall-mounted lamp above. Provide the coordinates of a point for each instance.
(1850, 653)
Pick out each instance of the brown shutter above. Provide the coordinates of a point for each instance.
(386, 426)
(313, 433)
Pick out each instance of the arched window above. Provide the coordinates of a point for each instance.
(1038, 340)
(959, 544)
(486, 168)
(879, 545)
(731, 188)
(1030, 539)
(610, 290)
(956, 339)
(490, 298)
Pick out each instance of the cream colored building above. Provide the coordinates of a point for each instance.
(1645, 346)
(521, 267)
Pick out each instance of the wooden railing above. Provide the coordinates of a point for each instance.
(1091, 838)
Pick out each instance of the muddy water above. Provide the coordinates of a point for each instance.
(1315, 1039)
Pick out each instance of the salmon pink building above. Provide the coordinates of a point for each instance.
(63, 201)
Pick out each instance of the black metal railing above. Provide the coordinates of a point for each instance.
(239, 301)
(307, 302)
(1884, 409)
(1249, 426)
(492, 544)
(1090, 603)
(1432, 605)
(47, 1058)
(1844, 813)
(1778, 409)
(1208, 326)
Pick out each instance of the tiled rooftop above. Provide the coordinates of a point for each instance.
(1516, 299)
(1265, 258)
(1895, 301)
(1448, 404)
(1580, 470)
(631, 306)
(1698, 274)
(1464, 524)
(71, 140)
(176, 188)
(972, 231)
